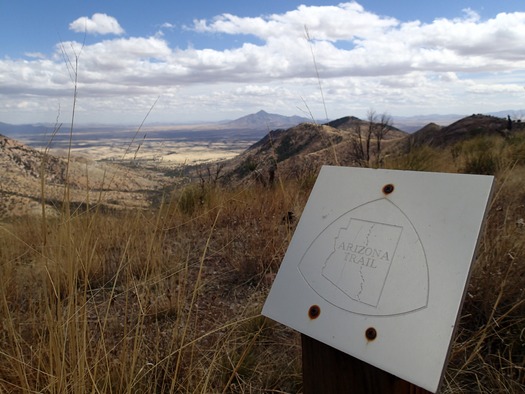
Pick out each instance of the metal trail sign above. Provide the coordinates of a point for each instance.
(379, 264)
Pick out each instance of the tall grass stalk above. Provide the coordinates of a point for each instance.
(319, 82)
(192, 302)
(314, 60)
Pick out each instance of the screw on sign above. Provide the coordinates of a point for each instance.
(371, 333)
(387, 189)
(314, 312)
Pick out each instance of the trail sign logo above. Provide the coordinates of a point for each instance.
(369, 267)
(361, 259)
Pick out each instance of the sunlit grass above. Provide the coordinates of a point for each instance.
(169, 299)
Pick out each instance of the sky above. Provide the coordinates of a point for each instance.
(170, 61)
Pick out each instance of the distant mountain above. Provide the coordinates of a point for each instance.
(263, 120)
(349, 123)
(411, 124)
(19, 130)
(514, 114)
(465, 128)
(344, 122)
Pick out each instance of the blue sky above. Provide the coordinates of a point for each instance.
(213, 60)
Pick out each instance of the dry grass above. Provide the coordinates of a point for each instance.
(169, 300)
(161, 301)
(489, 352)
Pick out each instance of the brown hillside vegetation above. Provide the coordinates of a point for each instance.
(31, 180)
(302, 149)
(168, 299)
(464, 129)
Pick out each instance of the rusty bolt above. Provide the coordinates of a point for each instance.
(314, 312)
(371, 333)
(387, 189)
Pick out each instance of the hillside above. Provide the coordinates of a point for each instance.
(284, 152)
(461, 130)
(299, 150)
(304, 148)
(28, 175)
(349, 123)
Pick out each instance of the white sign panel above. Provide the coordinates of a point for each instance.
(379, 263)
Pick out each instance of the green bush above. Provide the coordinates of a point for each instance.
(481, 163)
(192, 198)
(483, 155)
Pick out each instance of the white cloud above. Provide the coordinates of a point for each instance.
(364, 60)
(97, 24)
(343, 22)
(36, 55)
(471, 14)
(483, 88)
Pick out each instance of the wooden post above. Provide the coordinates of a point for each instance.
(328, 370)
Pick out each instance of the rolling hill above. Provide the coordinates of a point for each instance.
(463, 129)
(289, 152)
(31, 179)
(304, 148)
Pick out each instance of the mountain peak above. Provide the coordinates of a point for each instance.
(263, 120)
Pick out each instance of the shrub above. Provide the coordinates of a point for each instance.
(482, 155)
